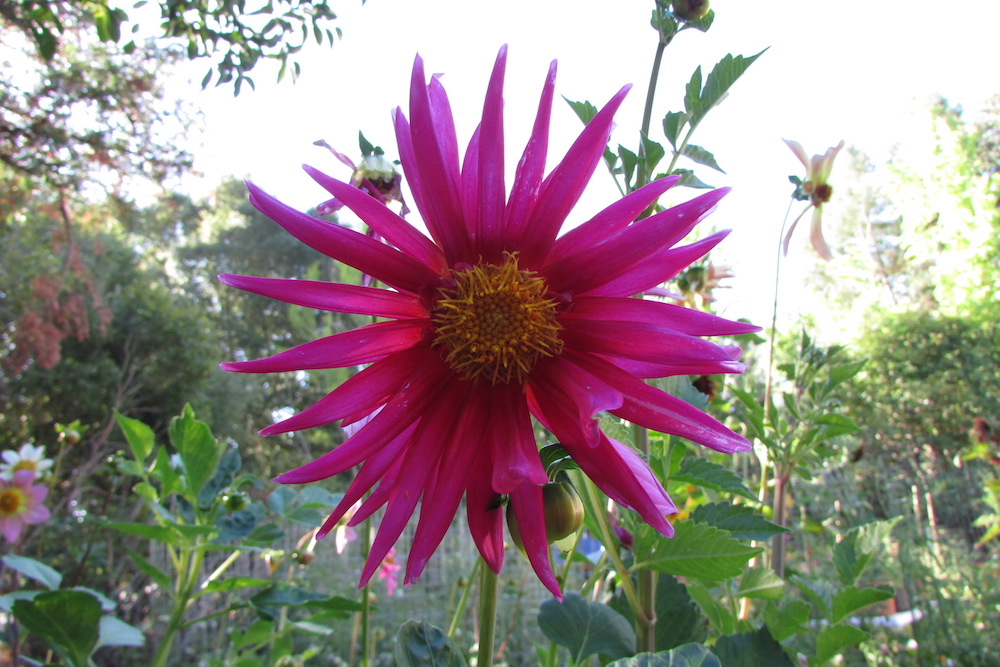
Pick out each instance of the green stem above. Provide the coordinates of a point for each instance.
(778, 541)
(489, 584)
(456, 619)
(610, 547)
(367, 657)
(645, 579)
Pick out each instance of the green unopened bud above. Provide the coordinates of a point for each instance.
(563, 513)
(690, 10)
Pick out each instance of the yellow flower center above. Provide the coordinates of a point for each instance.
(495, 321)
(26, 464)
(12, 502)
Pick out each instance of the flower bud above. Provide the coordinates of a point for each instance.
(690, 10)
(563, 513)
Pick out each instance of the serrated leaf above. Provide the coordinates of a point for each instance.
(850, 600)
(652, 153)
(762, 584)
(692, 96)
(35, 570)
(68, 621)
(787, 620)
(689, 180)
(719, 81)
(710, 475)
(585, 111)
(832, 641)
(688, 655)
(741, 521)
(420, 644)
(138, 435)
(701, 156)
(721, 617)
(700, 551)
(751, 649)
(586, 628)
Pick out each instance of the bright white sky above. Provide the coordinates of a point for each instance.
(858, 70)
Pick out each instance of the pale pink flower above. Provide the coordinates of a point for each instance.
(817, 186)
(388, 571)
(21, 504)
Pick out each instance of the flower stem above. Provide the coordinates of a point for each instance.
(489, 584)
(645, 579)
(462, 601)
(367, 659)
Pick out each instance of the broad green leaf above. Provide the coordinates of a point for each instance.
(629, 161)
(850, 600)
(420, 644)
(195, 443)
(818, 592)
(35, 570)
(586, 628)
(68, 621)
(692, 97)
(156, 574)
(239, 524)
(226, 471)
(832, 641)
(688, 655)
(281, 499)
(751, 649)
(702, 156)
(761, 583)
(787, 620)
(140, 437)
(257, 632)
(700, 551)
(705, 473)
(264, 535)
(116, 632)
(282, 595)
(177, 535)
(689, 180)
(719, 81)
(652, 153)
(164, 470)
(679, 620)
(740, 520)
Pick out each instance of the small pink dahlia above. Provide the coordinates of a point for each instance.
(21, 504)
(491, 321)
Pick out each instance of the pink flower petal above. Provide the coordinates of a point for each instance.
(530, 515)
(666, 315)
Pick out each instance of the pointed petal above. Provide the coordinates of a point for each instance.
(492, 189)
(484, 512)
(571, 397)
(611, 220)
(394, 229)
(597, 265)
(658, 268)
(667, 315)
(562, 188)
(350, 348)
(363, 392)
(346, 245)
(530, 515)
(531, 168)
(332, 297)
(816, 235)
(799, 152)
(641, 341)
(512, 441)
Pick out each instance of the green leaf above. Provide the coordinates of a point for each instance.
(629, 162)
(585, 111)
(195, 443)
(833, 640)
(719, 614)
(140, 437)
(555, 459)
(116, 632)
(68, 621)
(701, 156)
(819, 592)
(673, 123)
(652, 153)
(156, 574)
(586, 628)
(740, 520)
(751, 649)
(175, 534)
(705, 473)
(761, 583)
(692, 97)
(281, 499)
(231, 584)
(282, 595)
(689, 180)
(850, 600)
(239, 524)
(688, 655)
(679, 620)
(718, 82)
(226, 471)
(35, 570)
(700, 551)
(420, 644)
(164, 471)
(787, 620)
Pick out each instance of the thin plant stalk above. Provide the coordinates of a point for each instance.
(456, 618)
(489, 584)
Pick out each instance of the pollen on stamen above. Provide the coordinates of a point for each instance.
(494, 322)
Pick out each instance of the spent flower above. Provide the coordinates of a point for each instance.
(492, 320)
(818, 189)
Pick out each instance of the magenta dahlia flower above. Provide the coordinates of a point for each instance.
(492, 320)
(21, 504)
